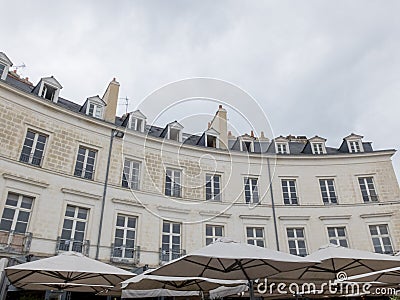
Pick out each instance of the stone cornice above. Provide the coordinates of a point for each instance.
(80, 193)
(28, 180)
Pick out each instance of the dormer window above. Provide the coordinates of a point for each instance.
(354, 143)
(246, 143)
(5, 64)
(48, 92)
(95, 110)
(211, 138)
(354, 146)
(175, 131)
(94, 107)
(317, 148)
(211, 141)
(137, 121)
(282, 148)
(48, 88)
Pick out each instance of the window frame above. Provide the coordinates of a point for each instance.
(125, 228)
(338, 238)
(129, 179)
(17, 209)
(173, 183)
(252, 190)
(171, 235)
(358, 146)
(289, 192)
(328, 191)
(279, 148)
(255, 238)
(214, 196)
(367, 190)
(317, 148)
(84, 162)
(72, 241)
(33, 148)
(213, 237)
(296, 239)
(380, 236)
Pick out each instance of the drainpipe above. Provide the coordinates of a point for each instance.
(273, 205)
(119, 134)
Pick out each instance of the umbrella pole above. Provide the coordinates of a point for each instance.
(251, 289)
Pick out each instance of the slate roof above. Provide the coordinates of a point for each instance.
(295, 147)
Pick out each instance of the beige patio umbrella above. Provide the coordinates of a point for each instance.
(69, 271)
(154, 284)
(227, 259)
(387, 276)
(339, 263)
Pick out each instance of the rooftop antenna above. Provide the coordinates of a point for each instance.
(126, 103)
(22, 66)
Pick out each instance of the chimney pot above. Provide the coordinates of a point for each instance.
(252, 133)
(220, 106)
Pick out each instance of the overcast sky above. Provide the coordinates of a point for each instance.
(316, 67)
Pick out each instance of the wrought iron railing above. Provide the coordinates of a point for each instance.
(170, 254)
(124, 254)
(14, 242)
(72, 245)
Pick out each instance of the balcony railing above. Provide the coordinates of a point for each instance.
(123, 254)
(170, 254)
(72, 245)
(12, 242)
(31, 159)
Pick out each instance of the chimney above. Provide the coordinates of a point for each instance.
(220, 124)
(111, 99)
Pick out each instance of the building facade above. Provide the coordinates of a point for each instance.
(76, 177)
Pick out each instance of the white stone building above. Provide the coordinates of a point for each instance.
(160, 192)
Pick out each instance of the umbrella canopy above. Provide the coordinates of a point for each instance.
(148, 282)
(157, 293)
(67, 271)
(339, 263)
(387, 276)
(227, 259)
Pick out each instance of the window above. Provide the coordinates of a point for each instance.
(255, 236)
(174, 134)
(125, 235)
(213, 187)
(211, 141)
(48, 92)
(381, 239)
(354, 146)
(282, 148)
(289, 192)
(337, 236)
(171, 241)
(367, 189)
(16, 213)
(33, 149)
(173, 183)
(130, 176)
(248, 146)
(95, 110)
(328, 191)
(251, 190)
(137, 124)
(85, 161)
(213, 232)
(74, 228)
(317, 148)
(2, 68)
(297, 241)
